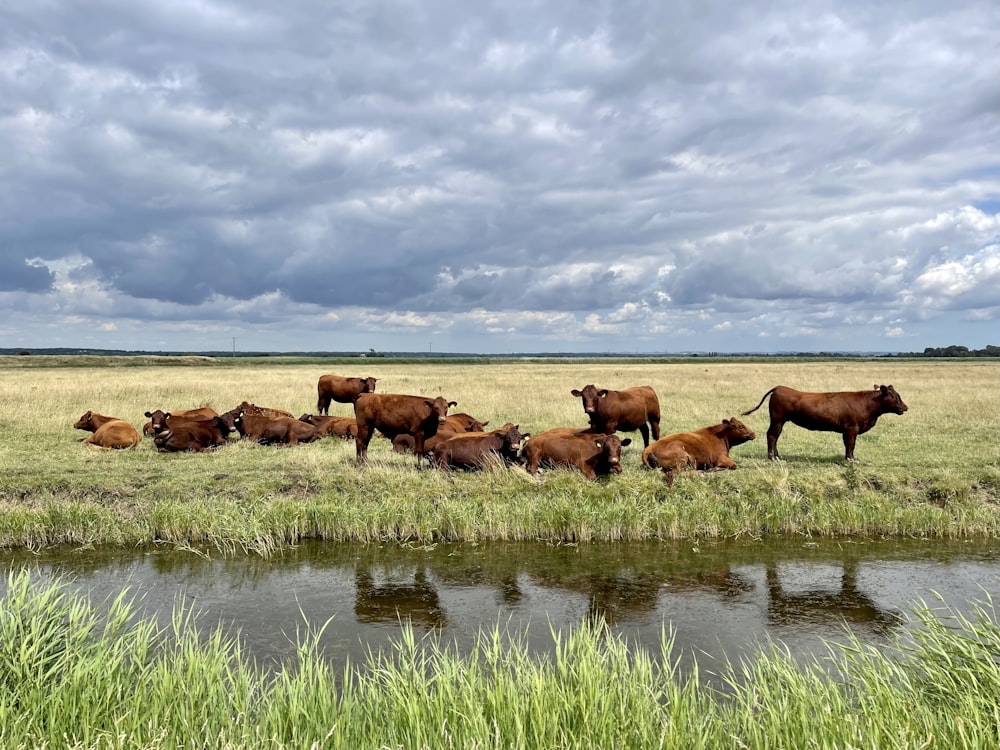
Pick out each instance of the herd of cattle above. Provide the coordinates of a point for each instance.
(423, 426)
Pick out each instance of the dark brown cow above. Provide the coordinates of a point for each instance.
(158, 418)
(109, 432)
(270, 430)
(342, 390)
(622, 411)
(455, 424)
(707, 448)
(395, 414)
(851, 413)
(593, 454)
(342, 427)
(472, 450)
(194, 436)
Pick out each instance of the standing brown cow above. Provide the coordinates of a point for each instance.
(342, 390)
(395, 414)
(851, 413)
(707, 448)
(109, 432)
(622, 411)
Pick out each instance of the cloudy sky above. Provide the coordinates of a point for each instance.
(624, 176)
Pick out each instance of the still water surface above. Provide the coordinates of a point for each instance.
(722, 599)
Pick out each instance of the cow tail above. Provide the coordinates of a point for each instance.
(751, 411)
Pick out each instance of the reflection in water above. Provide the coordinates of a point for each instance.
(848, 604)
(393, 601)
(719, 598)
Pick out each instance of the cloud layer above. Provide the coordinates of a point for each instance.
(499, 177)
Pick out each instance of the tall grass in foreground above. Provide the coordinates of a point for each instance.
(80, 676)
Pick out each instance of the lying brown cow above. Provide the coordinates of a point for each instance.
(455, 424)
(274, 430)
(342, 427)
(622, 411)
(395, 414)
(109, 432)
(342, 390)
(707, 448)
(850, 413)
(158, 418)
(472, 450)
(194, 436)
(593, 454)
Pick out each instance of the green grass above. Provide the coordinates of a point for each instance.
(934, 471)
(79, 675)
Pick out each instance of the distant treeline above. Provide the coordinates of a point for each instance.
(954, 351)
(945, 351)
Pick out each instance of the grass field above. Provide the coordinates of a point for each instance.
(933, 471)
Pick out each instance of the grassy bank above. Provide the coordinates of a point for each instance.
(933, 471)
(74, 675)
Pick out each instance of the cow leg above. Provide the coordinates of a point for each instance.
(850, 437)
(361, 442)
(725, 463)
(644, 429)
(654, 425)
(773, 433)
(418, 448)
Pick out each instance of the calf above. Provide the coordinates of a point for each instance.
(194, 436)
(622, 411)
(158, 419)
(592, 454)
(395, 414)
(707, 448)
(342, 390)
(851, 413)
(454, 424)
(108, 432)
(342, 427)
(471, 450)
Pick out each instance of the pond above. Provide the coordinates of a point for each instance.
(721, 599)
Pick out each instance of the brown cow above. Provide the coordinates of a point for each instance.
(707, 448)
(270, 430)
(455, 424)
(342, 390)
(158, 418)
(394, 414)
(342, 427)
(851, 413)
(622, 411)
(109, 432)
(194, 436)
(593, 454)
(472, 450)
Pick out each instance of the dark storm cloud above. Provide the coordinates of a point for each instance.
(538, 165)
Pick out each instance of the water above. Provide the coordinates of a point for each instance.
(722, 599)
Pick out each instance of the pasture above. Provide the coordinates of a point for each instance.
(933, 471)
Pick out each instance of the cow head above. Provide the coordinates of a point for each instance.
(158, 420)
(226, 423)
(439, 408)
(368, 385)
(737, 433)
(891, 402)
(610, 447)
(590, 395)
(512, 438)
(86, 422)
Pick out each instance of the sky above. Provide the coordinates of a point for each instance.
(495, 177)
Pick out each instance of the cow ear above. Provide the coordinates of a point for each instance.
(167, 415)
(626, 442)
(525, 435)
(486, 423)
(725, 422)
(883, 389)
(429, 403)
(453, 403)
(575, 392)
(603, 392)
(148, 413)
(599, 443)
(876, 386)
